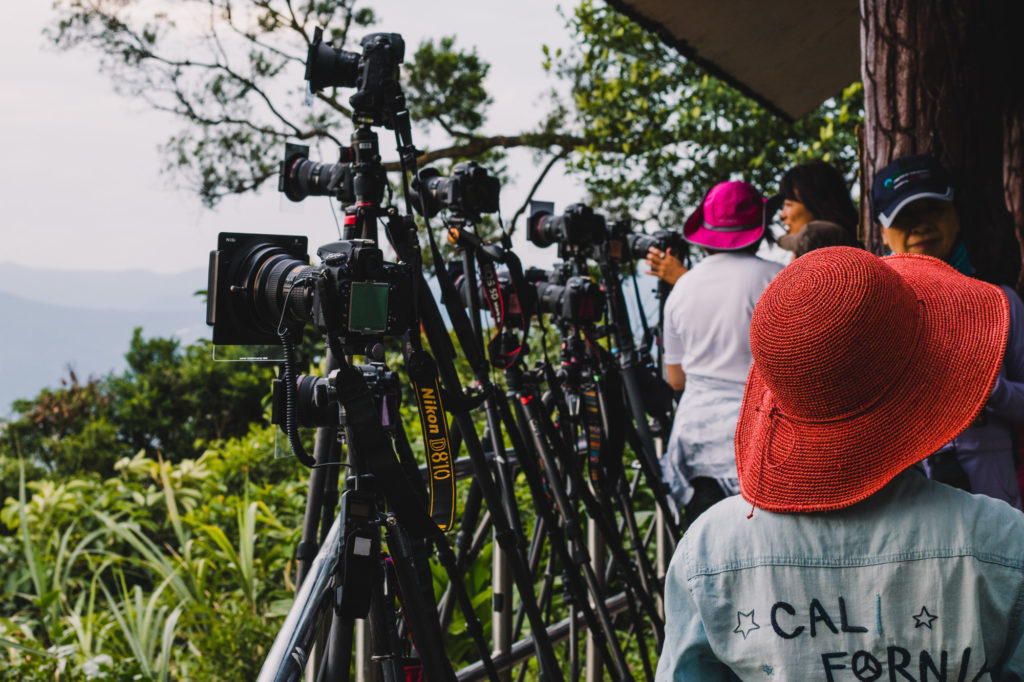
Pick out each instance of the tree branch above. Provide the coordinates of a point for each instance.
(540, 178)
(479, 145)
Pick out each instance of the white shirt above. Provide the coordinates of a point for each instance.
(707, 315)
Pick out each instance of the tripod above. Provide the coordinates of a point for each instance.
(350, 566)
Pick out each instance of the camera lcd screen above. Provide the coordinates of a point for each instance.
(368, 308)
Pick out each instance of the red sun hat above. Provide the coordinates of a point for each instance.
(730, 218)
(862, 367)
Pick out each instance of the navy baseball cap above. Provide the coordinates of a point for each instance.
(908, 179)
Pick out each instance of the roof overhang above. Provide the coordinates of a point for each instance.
(790, 55)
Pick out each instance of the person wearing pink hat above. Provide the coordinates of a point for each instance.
(707, 346)
(842, 560)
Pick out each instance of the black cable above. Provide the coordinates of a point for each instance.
(291, 423)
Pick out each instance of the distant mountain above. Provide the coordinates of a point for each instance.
(56, 319)
(115, 290)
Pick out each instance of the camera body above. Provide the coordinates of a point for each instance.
(571, 299)
(469, 191)
(261, 283)
(374, 74)
(316, 398)
(371, 298)
(578, 231)
(348, 180)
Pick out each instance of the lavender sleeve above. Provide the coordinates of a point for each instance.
(1007, 399)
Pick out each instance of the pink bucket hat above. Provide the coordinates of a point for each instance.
(731, 218)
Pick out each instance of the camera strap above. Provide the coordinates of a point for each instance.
(604, 422)
(422, 369)
(434, 423)
(456, 312)
(501, 308)
(593, 428)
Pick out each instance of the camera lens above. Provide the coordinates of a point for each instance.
(543, 228)
(315, 403)
(275, 284)
(640, 243)
(549, 298)
(305, 178)
(330, 67)
(276, 295)
(428, 190)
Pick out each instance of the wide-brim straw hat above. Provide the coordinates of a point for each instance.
(862, 367)
(730, 218)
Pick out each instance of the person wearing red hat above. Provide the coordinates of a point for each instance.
(707, 343)
(912, 199)
(842, 560)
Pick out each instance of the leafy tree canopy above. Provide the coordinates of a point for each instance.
(170, 400)
(659, 131)
(646, 130)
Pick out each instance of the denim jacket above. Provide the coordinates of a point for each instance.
(920, 581)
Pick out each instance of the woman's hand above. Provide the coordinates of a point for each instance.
(664, 265)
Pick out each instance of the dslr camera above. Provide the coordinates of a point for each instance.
(300, 177)
(578, 231)
(569, 299)
(624, 244)
(469, 191)
(374, 73)
(260, 284)
(638, 243)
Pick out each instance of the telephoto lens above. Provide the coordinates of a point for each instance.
(663, 240)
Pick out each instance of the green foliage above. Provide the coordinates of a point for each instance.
(447, 86)
(169, 400)
(174, 570)
(659, 131)
(173, 400)
(171, 570)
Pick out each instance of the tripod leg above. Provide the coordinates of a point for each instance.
(384, 641)
(501, 605)
(338, 657)
(458, 589)
(595, 543)
(441, 343)
(463, 542)
(598, 619)
(420, 611)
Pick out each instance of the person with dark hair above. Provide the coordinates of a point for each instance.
(912, 199)
(810, 191)
(816, 191)
(842, 560)
(707, 343)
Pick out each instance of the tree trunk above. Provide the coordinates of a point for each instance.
(936, 81)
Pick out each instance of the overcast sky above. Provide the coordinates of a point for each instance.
(81, 186)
